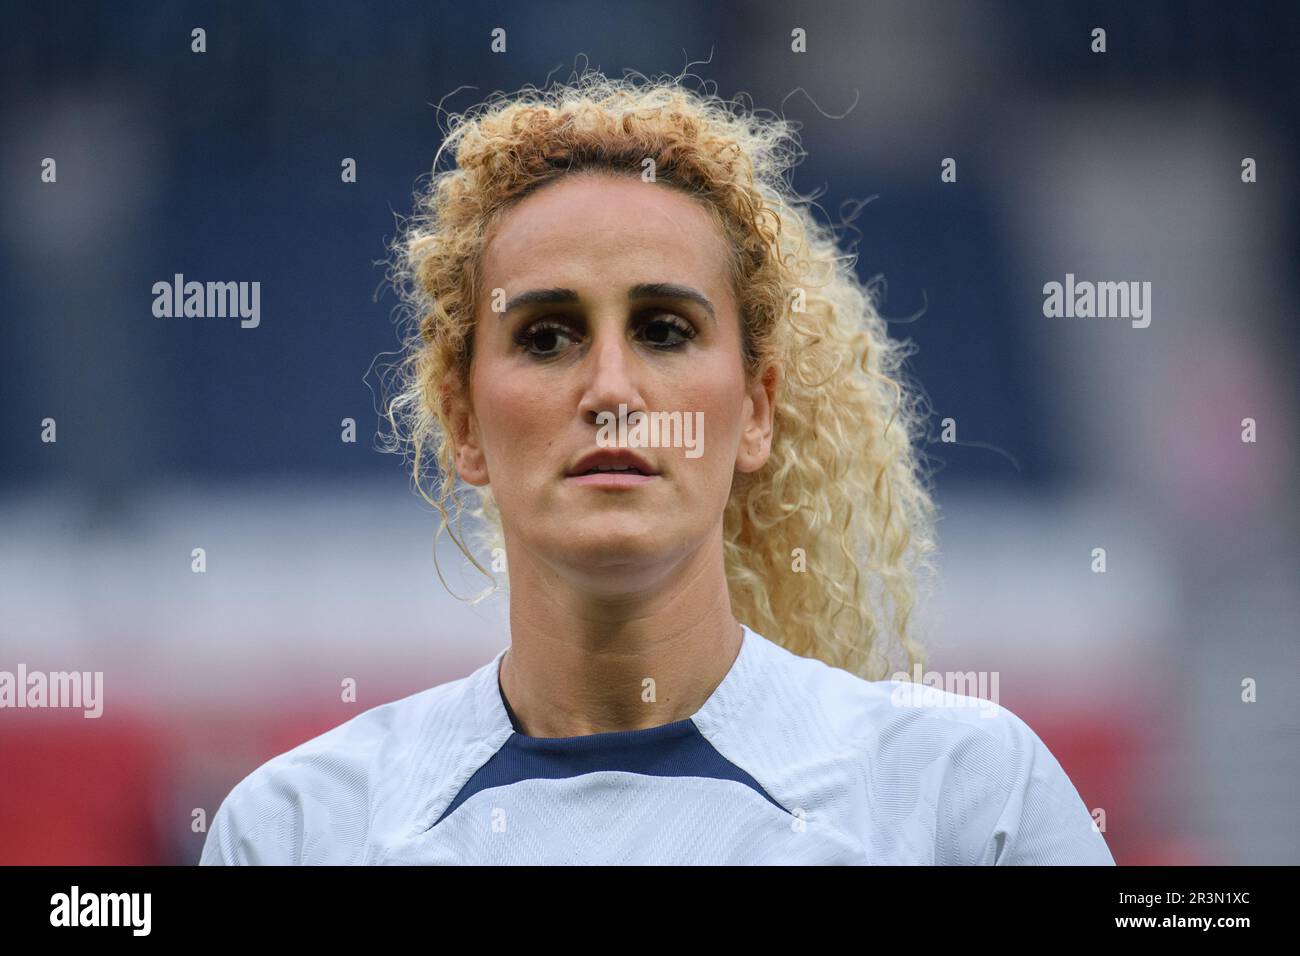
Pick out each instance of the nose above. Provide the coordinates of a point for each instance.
(613, 369)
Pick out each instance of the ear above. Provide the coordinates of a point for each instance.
(467, 449)
(756, 439)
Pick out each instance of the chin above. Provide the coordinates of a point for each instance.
(614, 546)
(612, 541)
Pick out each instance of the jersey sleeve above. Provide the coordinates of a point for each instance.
(306, 807)
(1043, 821)
(258, 824)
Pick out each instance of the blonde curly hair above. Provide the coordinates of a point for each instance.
(841, 494)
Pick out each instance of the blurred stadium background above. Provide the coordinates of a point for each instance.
(1074, 433)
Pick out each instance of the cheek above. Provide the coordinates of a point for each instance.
(719, 392)
(720, 404)
(514, 413)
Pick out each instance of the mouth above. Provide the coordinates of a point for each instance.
(612, 479)
(612, 468)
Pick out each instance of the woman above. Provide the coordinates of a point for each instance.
(700, 623)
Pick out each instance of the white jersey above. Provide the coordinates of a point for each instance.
(789, 761)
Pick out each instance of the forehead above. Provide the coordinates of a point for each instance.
(608, 227)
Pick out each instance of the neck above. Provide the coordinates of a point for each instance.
(580, 664)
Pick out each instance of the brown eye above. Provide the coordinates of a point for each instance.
(668, 332)
(539, 339)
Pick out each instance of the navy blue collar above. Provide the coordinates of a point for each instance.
(590, 742)
(514, 721)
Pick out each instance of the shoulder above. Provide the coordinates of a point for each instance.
(998, 794)
(316, 802)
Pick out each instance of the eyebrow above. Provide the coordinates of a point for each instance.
(642, 290)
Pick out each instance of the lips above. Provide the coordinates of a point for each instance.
(612, 461)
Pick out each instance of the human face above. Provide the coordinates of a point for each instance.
(536, 387)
